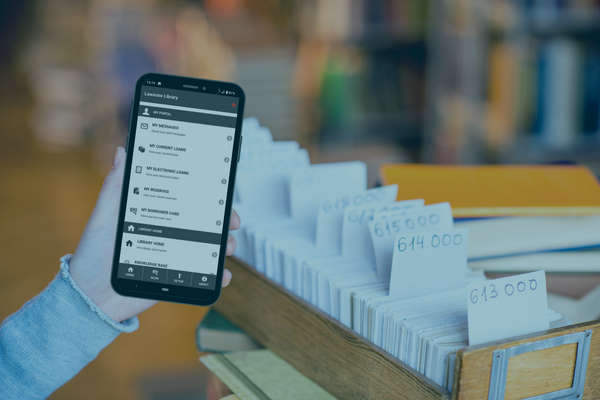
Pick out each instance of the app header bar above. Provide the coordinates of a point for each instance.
(186, 98)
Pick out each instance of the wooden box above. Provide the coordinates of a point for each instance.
(561, 363)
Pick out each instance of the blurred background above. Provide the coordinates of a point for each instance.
(434, 81)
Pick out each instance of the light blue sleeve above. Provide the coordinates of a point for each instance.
(52, 337)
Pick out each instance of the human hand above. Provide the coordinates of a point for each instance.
(91, 264)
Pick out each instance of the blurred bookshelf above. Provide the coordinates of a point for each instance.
(513, 81)
(439, 81)
(360, 72)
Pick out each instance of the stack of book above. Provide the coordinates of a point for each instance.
(518, 216)
(520, 219)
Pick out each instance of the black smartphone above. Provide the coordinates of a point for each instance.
(182, 152)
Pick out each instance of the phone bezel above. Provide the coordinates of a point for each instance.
(160, 291)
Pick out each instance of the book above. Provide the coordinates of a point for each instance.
(577, 310)
(503, 82)
(216, 334)
(508, 190)
(590, 110)
(575, 261)
(493, 237)
(562, 80)
(260, 374)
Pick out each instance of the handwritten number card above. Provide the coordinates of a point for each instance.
(506, 307)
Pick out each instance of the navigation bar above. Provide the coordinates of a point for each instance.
(166, 276)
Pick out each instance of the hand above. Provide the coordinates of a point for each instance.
(92, 262)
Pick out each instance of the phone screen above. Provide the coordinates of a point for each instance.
(175, 210)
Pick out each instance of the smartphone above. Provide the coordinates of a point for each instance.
(182, 152)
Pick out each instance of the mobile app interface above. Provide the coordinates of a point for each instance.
(182, 157)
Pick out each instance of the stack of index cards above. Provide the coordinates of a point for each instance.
(393, 271)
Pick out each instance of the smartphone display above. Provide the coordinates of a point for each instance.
(182, 152)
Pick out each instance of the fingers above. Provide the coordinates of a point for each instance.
(231, 243)
(234, 221)
(226, 277)
(107, 206)
(114, 179)
(116, 173)
(119, 157)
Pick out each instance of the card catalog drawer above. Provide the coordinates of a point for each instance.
(348, 366)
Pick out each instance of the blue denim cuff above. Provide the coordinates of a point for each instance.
(128, 326)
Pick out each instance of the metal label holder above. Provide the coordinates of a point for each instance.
(575, 392)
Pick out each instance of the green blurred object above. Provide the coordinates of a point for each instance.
(216, 334)
(336, 95)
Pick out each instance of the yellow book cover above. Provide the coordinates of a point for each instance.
(507, 190)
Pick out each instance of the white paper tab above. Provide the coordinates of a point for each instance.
(429, 262)
(398, 207)
(506, 307)
(311, 184)
(266, 192)
(385, 229)
(331, 213)
(356, 242)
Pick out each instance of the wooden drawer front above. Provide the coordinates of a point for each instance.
(561, 364)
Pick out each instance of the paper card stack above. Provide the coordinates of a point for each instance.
(393, 271)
